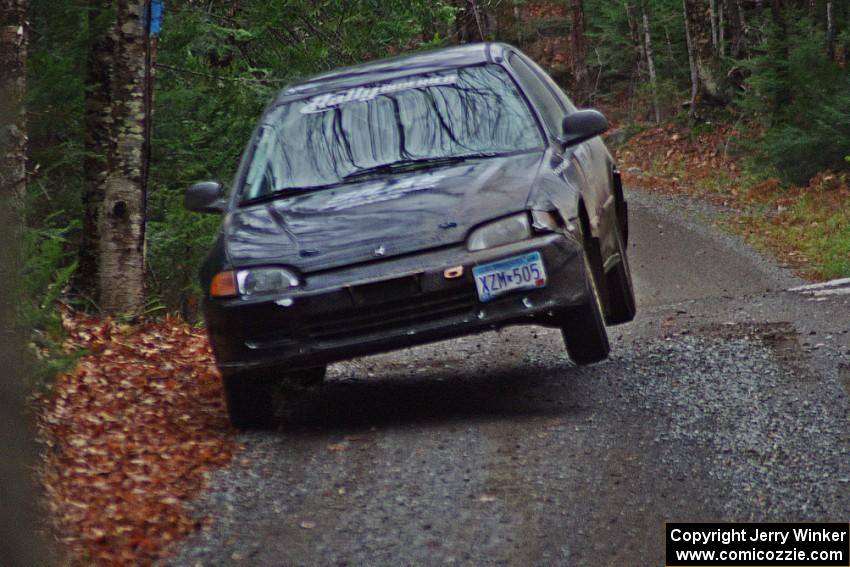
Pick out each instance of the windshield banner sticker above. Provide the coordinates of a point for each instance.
(327, 101)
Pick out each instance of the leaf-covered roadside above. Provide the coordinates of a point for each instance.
(806, 228)
(127, 437)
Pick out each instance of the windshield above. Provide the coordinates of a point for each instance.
(319, 141)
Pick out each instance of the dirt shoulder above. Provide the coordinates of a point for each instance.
(804, 228)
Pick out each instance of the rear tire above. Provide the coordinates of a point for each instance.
(584, 326)
(621, 293)
(250, 400)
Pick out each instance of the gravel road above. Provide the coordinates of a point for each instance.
(726, 399)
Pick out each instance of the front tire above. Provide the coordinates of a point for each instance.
(250, 400)
(583, 330)
(305, 379)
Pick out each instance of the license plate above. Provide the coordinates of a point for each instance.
(518, 272)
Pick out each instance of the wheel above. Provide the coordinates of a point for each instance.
(250, 401)
(621, 293)
(303, 379)
(584, 327)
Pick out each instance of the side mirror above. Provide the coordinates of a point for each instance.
(205, 197)
(581, 126)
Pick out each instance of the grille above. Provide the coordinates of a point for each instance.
(393, 314)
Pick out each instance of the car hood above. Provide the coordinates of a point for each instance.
(380, 217)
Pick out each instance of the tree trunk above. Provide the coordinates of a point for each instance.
(780, 23)
(712, 16)
(721, 29)
(650, 62)
(701, 49)
(98, 139)
(740, 46)
(692, 63)
(151, 51)
(633, 31)
(468, 24)
(830, 30)
(14, 35)
(122, 215)
(581, 88)
(116, 127)
(517, 13)
(640, 56)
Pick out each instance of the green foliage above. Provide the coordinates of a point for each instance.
(835, 246)
(47, 244)
(56, 103)
(824, 237)
(667, 92)
(700, 129)
(613, 27)
(803, 98)
(47, 266)
(814, 140)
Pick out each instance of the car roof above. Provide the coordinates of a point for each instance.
(393, 67)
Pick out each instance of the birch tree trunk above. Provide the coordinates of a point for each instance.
(701, 51)
(122, 215)
(650, 62)
(116, 116)
(581, 88)
(14, 35)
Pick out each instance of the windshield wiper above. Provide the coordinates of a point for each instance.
(286, 192)
(392, 167)
(409, 164)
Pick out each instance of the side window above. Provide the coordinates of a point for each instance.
(565, 101)
(550, 108)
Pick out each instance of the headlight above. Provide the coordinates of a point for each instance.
(545, 221)
(257, 281)
(497, 233)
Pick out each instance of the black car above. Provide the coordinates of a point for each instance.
(409, 200)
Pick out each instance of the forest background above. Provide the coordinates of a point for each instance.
(759, 89)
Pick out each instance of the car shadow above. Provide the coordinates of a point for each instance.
(436, 396)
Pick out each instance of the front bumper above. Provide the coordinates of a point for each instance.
(388, 304)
